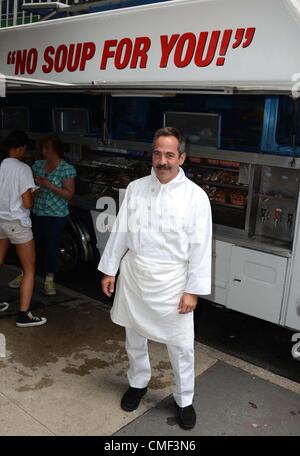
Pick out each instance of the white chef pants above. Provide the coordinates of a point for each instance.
(182, 361)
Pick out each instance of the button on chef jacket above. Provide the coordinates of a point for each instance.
(169, 222)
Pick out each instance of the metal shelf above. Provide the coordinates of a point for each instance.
(275, 197)
(232, 206)
(216, 167)
(218, 184)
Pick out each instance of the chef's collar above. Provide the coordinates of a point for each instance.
(177, 180)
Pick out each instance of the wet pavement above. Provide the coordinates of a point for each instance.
(259, 342)
(67, 378)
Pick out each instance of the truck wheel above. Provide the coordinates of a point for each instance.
(69, 252)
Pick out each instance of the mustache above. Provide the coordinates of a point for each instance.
(162, 167)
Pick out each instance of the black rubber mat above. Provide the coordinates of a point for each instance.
(39, 301)
(228, 402)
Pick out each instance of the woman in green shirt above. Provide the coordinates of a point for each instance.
(56, 180)
(55, 177)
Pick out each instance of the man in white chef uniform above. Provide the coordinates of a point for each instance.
(161, 241)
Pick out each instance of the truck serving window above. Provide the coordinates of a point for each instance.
(241, 117)
(288, 123)
(14, 117)
(71, 120)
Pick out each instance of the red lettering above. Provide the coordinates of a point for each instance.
(123, 53)
(68, 57)
(239, 35)
(166, 48)
(74, 57)
(224, 47)
(88, 52)
(26, 61)
(141, 47)
(200, 60)
(60, 58)
(249, 36)
(185, 49)
(20, 62)
(107, 53)
(31, 60)
(47, 68)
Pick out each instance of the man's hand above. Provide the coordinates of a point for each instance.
(188, 303)
(108, 285)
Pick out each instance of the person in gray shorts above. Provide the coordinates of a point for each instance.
(16, 188)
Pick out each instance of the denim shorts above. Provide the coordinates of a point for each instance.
(15, 232)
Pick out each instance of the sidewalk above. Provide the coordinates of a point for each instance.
(229, 402)
(67, 378)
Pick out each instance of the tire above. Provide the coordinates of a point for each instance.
(69, 255)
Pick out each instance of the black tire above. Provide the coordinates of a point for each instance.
(69, 256)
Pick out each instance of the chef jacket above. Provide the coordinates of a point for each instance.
(168, 222)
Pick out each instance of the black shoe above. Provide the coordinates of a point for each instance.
(131, 399)
(186, 417)
(27, 319)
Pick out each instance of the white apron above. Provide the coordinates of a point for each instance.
(147, 297)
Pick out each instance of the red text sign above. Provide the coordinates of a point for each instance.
(180, 50)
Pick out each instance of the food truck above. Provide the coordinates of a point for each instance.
(226, 73)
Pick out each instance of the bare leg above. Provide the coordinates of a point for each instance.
(4, 244)
(49, 275)
(26, 254)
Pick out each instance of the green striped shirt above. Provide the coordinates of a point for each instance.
(46, 202)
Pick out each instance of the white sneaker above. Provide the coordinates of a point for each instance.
(3, 306)
(49, 288)
(16, 282)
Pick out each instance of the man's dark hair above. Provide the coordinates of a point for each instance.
(56, 143)
(171, 131)
(14, 139)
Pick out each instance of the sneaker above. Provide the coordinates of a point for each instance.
(27, 319)
(3, 306)
(16, 282)
(49, 288)
(186, 417)
(132, 398)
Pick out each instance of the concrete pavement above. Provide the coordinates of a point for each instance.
(67, 378)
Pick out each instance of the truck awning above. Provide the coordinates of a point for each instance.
(223, 46)
(159, 89)
(19, 82)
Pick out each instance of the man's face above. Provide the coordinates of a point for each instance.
(166, 159)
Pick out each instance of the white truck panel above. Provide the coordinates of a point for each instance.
(256, 284)
(208, 42)
(220, 272)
